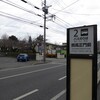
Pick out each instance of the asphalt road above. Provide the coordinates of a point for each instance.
(26, 81)
(33, 82)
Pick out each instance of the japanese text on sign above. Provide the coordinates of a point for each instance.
(81, 40)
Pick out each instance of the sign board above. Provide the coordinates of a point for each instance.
(81, 40)
(82, 63)
(81, 79)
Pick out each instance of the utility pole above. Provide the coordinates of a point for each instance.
(44, 59)
(45, 10)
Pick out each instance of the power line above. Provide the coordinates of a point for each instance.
(51, 2)
(79, 13)
(55, 30)
(64, 21)
(26, 21)
(75, 18)
(22, 19)
(37, 8)
(63, 2)
(57, 3)
(50, 29)
(29, 3)
(59, 24)
(19, 7)
(60, 3)
(19, 19)
(55, 16)
(15, 16)
(66, 6)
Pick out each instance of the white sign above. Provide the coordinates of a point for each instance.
(81, 40)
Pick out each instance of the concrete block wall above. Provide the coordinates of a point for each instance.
(59, 56)
(39, 57)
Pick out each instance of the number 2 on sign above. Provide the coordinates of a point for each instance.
(76, 33)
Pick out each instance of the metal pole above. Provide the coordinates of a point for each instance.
(44, 58)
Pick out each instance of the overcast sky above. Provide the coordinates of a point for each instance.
(68, 13)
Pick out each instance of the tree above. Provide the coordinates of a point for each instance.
(4, 36)
(38, 44)
(30, 42)
(39, 38)
(13, 42)
(4, 41)
(13, 38)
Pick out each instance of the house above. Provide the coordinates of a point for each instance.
(55, 48)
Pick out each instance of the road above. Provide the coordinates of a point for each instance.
(26, 81)
(33, 82)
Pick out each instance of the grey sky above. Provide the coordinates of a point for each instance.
(69, 13)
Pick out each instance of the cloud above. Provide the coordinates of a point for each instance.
(57, 29)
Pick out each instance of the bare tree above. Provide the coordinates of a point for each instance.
(4, 40)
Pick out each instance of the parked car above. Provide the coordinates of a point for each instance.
(23, 57)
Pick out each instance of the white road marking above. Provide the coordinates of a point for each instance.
(25, 95)
(62, 78)
(22, 67)
(6, 77)
(58, 95)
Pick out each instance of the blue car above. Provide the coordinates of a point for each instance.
(23, 57)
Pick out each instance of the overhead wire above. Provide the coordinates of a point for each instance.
(29, 3)
(59, 24)
(63, 21)
(15, 16)
(68, 24)
(63, 2)
(39, 9)
(55, 30)
(76, 19)
(58, 4)
(19, 18)
(66, 7)
(22, 7)
(19, 7)
(79, 13)
(51, 2)
(25, 21)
